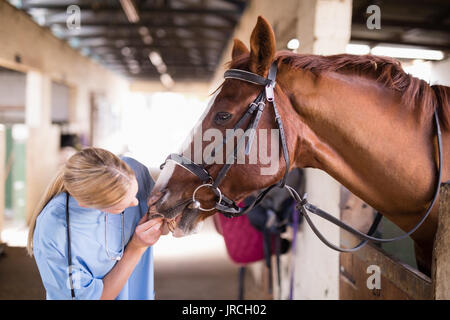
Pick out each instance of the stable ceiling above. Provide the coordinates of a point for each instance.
(189, 35)
(418, 23)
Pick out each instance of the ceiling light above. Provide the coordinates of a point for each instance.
(162, 68)
(155, 58)
(293, 44)
(408, 53)
(353, 48)
(166, 80)
(147, 39)
(130, 10)
(143, 31)
(126, 51)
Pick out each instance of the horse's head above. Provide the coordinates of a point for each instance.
(253, 169)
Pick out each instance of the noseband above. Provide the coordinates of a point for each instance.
(229, 208)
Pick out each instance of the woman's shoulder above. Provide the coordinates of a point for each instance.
(55, 208)
(143, 176)
(51, 221)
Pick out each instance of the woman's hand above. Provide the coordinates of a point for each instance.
(147, 232)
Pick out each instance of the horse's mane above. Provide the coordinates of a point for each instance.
(415, 93)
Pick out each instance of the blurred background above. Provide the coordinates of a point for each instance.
(134, 76)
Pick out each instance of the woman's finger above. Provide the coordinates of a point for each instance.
(164, 228)
(152, 235)
(156, 226)
(143, 219)
(149, 224)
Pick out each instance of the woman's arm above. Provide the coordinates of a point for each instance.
(145, 235)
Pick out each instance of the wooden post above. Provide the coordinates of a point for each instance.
(441, 252)
(2, 176)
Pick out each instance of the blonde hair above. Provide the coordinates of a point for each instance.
(93, 176)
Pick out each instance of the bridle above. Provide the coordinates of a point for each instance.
(229, 208)
(224, 204)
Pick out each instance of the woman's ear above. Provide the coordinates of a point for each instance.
(239, 48)
(262, 47)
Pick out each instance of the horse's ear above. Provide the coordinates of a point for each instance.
(239, 48)
(262, 47)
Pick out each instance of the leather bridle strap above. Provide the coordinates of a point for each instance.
(227, 206)
(246, 76)
(258, 105)
(194, 168)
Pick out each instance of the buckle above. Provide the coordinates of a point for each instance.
(269, 91)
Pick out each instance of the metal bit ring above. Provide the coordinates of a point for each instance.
(197, 203)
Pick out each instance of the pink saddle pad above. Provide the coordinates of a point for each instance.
(243, 242)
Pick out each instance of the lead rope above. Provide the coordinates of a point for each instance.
(295, 220)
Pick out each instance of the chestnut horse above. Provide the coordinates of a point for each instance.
(361, 119)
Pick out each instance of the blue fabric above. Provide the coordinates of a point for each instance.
(89, 258)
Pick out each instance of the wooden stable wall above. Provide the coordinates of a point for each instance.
(27, 47)
(398, 280)
(441, 253)
(2, 176)
(42, 148)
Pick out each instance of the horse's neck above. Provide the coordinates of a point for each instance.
(355, 130)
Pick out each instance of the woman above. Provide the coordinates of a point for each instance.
(99, 202)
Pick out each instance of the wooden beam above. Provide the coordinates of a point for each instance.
(374, 41)
(11, 108)
(149, 24)
(57, 8)
(109, 36)
(427, 26)
(441, 252)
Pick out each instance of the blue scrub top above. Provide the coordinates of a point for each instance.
(89, 258)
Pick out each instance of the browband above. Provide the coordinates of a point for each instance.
(246, 76)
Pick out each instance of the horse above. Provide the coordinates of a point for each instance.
(359, 118)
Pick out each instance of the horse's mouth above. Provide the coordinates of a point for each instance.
(178, 219)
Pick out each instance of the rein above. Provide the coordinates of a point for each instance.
(230, 209)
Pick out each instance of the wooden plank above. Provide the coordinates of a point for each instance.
(441, 252)
(2, 175)
(11, 108)
(398, 281)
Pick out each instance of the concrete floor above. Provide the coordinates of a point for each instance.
(194, 267)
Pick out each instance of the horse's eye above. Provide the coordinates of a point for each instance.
(222, 117)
